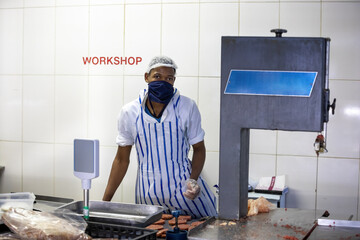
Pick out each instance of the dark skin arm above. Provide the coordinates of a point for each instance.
(197, 165)
(198, 159)
(118, 171)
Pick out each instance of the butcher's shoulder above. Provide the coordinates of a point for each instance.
(131, 109)
(186, 104)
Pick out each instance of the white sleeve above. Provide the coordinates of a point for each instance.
(125, 136)
(195, 132)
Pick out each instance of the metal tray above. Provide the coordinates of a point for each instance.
(139, 215)
(49, 203)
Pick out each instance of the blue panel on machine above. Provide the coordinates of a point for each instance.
(275, 83)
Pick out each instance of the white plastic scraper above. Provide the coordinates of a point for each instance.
(86, 166)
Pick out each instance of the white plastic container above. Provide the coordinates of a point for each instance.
(20, 199)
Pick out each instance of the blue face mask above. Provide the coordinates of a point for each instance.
(160, 91)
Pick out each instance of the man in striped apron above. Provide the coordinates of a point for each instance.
(163, 125)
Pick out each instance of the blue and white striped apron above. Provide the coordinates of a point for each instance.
(164, 166)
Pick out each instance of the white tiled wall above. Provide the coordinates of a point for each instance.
(11, 107)
(38, 108)
(11, 44)
(72, 39)
(39, 40)
(106, 37)
(48, 96)
(180, 39)
(142, 34)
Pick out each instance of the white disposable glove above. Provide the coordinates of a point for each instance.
(192, 189)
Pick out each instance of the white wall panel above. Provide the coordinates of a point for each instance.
(216, 20)
(71, 108)
(105, 102)
(106, 2)
(38, 109)
(296, 143)
(38, 168)
(210, 171)
(188, 86)
(132, 87)
(11, 159)
(106, 38)
(11, 41)
(39, 3)
(300, 175)
(301, 19)
(39, 40)
(142, 35)
(72, 39)
(72, 3)
(209, 106)
(180, 36)
(341, 23)
(66, 184)
(11, 108)
(261, 165)
(343, 127)
(263, 141)
(257, 19)
(338, 185)
(11, 3)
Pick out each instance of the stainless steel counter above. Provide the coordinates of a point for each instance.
(281, 223)
(278, 224)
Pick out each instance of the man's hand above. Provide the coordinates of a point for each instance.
(192, 189)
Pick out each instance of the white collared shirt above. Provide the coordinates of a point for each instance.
(188, 112)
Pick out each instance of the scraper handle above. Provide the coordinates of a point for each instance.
(86, 204)
(86, 184)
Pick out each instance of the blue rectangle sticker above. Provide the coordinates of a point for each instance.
(273, 83)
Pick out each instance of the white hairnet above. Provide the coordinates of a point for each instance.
(161, 61)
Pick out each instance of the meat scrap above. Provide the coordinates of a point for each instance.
(184, 226)
(260, 205)
(180, 221)
(167, 216)
(290, 237)
(161, 232)
(160, 222)
(155, 227)
(197, 223)
(186, 217)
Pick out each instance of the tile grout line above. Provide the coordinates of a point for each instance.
(88, 76)
(279, 10)
(316, 181)
(358, 191)
(238, 18)
(276, 152)
(317, 158)
(22, 100)
(198, 67)
(357, 207)
(321, 18)
(54, 102)
(161, 25)
(121, 190)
